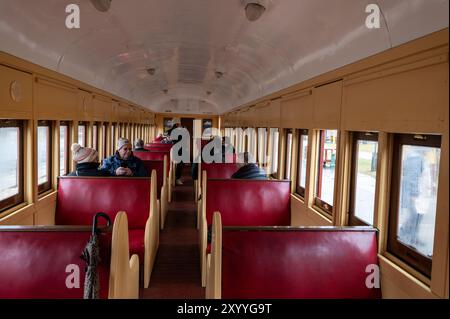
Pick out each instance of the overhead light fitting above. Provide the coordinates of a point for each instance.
(151, 71)
(254, 9)
(101, 5)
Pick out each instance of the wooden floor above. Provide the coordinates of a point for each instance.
(176, 274)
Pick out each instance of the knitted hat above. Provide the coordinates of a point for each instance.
(122, 142)
(138, 143)
(82, 154)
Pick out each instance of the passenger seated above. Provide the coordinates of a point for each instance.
(248, 169)
(87, 162)
(123, 162)
(139, 145)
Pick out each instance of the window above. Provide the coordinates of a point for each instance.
(113, 138)
(11, 165)
(167, 124)
(103, 137)
(326, 170)
(252, 143)
(82, 133)
(207, 128)
(44, 152)
(288, 153)
(414, 186)
(64, 138)
(239, 140)
(363, 178)
(274, 134)
(95, 137)
(262, 146)
(301, 164)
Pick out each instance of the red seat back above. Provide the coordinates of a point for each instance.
(219, 170)
(154, 156)
(80, 198)
(158, 166)
(249, 202)
(297, 264)
(158, 146)
(33, 262)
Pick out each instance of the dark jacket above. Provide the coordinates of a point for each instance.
(250, 171)
(88, 169)
(136, 165)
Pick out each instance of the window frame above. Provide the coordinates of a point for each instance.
(103, 136)
(353, 220)
(412, 258)
(274, 175)
(67, 147)
(318, 202)
(165, 120)
(84, 124)
(286, 166)
(19, 197)
(95, 135)
(44, 187)
(299, 189)
(113, 129)
(261, 148)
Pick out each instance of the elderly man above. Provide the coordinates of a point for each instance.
(124, 163)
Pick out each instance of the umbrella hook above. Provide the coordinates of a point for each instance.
(94, 224)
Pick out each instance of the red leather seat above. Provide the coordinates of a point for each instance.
(158, 146)
(80, 198)
(136, 243)
(158, 166)
(249, 202)
(297, 263)
(154, 156)
(33, 262)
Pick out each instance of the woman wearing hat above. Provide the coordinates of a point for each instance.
(87, 162)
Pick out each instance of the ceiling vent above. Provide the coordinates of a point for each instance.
(254, 9)
(101, 5)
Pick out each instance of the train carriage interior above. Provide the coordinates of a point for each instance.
(240, 149)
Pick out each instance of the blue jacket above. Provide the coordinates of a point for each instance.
(136, 165)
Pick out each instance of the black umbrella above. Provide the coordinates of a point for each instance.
(91, 255)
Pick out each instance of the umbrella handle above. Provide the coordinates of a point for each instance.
(94, 224)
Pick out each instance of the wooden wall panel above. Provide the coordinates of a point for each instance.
(85, 105)
(327, 105)
(16, 94)
(297, 110)
(405, 99)
(101, 108)
(54, 100)
(123, 113)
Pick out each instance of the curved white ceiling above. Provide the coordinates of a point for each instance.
(187, 41)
